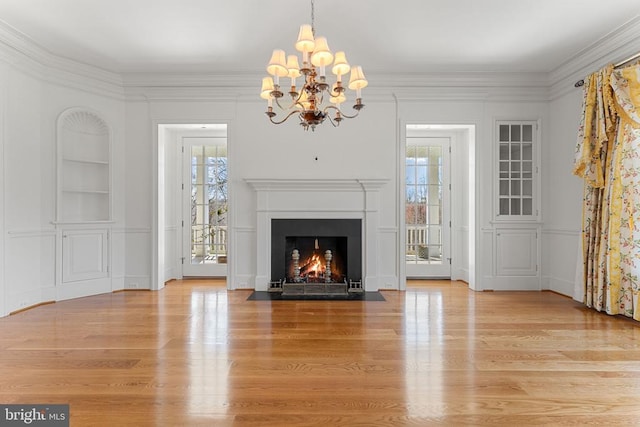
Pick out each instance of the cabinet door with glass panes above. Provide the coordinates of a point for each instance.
(517, 146)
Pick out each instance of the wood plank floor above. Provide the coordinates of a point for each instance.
(437, 354)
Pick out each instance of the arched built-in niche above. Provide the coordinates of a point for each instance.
(84, 167)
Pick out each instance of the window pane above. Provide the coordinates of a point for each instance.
(411, 152)
(515, 133)
(504, 133)
(515, 151)
(411, 175)
(504, 151)
(504, 187)
(515, 188)
(504, 207)
(527, 133)
(410, 214)
(435, 253)
(527, 207)
(421, 214)
(515, 206)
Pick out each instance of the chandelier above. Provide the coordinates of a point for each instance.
(317, 99)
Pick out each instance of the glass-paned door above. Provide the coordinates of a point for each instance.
(205, 207)
(516, 170)
(427, 225)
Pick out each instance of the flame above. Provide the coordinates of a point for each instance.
(313, 266)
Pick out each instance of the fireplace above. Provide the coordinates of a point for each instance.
(316, 250)
(281, 202)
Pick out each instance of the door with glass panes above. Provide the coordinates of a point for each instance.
(427, 200)
(205, 206)
(516, 166)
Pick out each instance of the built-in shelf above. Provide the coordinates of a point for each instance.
(85, 191)
(88, 161)
(84, 168)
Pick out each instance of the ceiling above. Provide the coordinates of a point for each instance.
(403, 36)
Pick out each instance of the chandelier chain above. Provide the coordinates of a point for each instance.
(313, 18)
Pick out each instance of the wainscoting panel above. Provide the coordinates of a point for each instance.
(84, 255)
(516, 252)
(30, 268)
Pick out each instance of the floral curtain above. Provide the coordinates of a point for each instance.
(608, 159)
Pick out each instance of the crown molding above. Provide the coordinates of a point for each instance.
(301, 184)
(23, 53)
(617, 45)
(425, 86)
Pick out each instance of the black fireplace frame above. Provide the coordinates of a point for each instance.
(319, 227)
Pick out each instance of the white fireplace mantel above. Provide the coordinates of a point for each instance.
(318, 198)
(259, 184)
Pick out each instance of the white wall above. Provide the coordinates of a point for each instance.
(30, 106)
(563, 205)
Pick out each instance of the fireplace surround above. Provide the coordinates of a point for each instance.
(341, 236)
(316, 199)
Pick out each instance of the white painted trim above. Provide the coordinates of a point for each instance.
(366, 208)
(3, 190)
(561, 231)
(266, 184)
(615, 46)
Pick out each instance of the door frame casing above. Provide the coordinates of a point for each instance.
(463, 149)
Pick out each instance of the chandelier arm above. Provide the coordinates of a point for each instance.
(333, 107)
(293, 104)
(331, 121)
(348, 116)
(285, 118)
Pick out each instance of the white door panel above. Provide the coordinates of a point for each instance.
(84, 255)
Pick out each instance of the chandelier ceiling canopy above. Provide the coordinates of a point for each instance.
(316, 99)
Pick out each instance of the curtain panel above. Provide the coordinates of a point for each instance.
(608, 160)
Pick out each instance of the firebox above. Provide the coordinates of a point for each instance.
(316, 250)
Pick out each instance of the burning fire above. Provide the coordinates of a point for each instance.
(313, 266)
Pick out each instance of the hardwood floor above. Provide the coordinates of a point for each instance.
(437, 354)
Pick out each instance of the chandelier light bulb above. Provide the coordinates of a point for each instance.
(294, 68)
(340, 65)
(357, 80)
(306, 42)
(267, 88)
(277, 65)
(321, 56)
